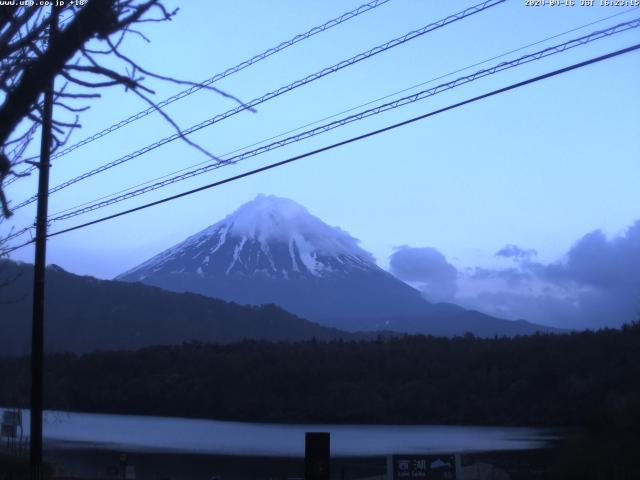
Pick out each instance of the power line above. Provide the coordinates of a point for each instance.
(348, 141)
(219, 76)
(273, 137)
(372, 101)
(276, 93)
(359, 116)
(16, 234)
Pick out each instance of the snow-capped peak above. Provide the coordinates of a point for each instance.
(268, 218)
(268, 235)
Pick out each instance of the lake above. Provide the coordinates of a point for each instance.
(184, 435)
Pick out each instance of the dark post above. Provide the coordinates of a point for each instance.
(317, 455)
(123, 465)
(37, 332)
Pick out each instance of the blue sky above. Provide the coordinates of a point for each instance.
(539, 167)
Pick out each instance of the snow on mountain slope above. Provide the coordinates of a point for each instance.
(272, 250)
(269, 236)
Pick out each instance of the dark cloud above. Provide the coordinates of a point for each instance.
(516, 253)
(596, 284)
(589, 308)
(427, 269)
(598, 262)
(606, 273)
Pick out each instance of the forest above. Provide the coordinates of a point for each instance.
(589, 380)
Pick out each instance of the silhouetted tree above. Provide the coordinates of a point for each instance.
(77, 52)
(588, 380)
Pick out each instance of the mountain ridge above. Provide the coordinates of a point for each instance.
(272, 250)
(85, 314)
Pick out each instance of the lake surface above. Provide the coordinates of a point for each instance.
(170, 434)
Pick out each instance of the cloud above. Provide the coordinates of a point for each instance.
(595, 284)
(427, 269)
(543, 307)
(602, 263)
(606, 274)
(512, 276)
(516, 253)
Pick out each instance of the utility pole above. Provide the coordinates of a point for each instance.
(37, 332)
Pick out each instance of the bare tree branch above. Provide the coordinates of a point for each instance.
(30, 58)
(177, 128)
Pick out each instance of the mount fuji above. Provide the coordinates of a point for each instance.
(272, 250)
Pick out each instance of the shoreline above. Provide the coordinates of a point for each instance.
(184, 435)
(87, 463)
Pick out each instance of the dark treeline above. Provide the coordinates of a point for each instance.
(589, 379)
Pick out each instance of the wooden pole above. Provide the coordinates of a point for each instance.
(37, 332)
